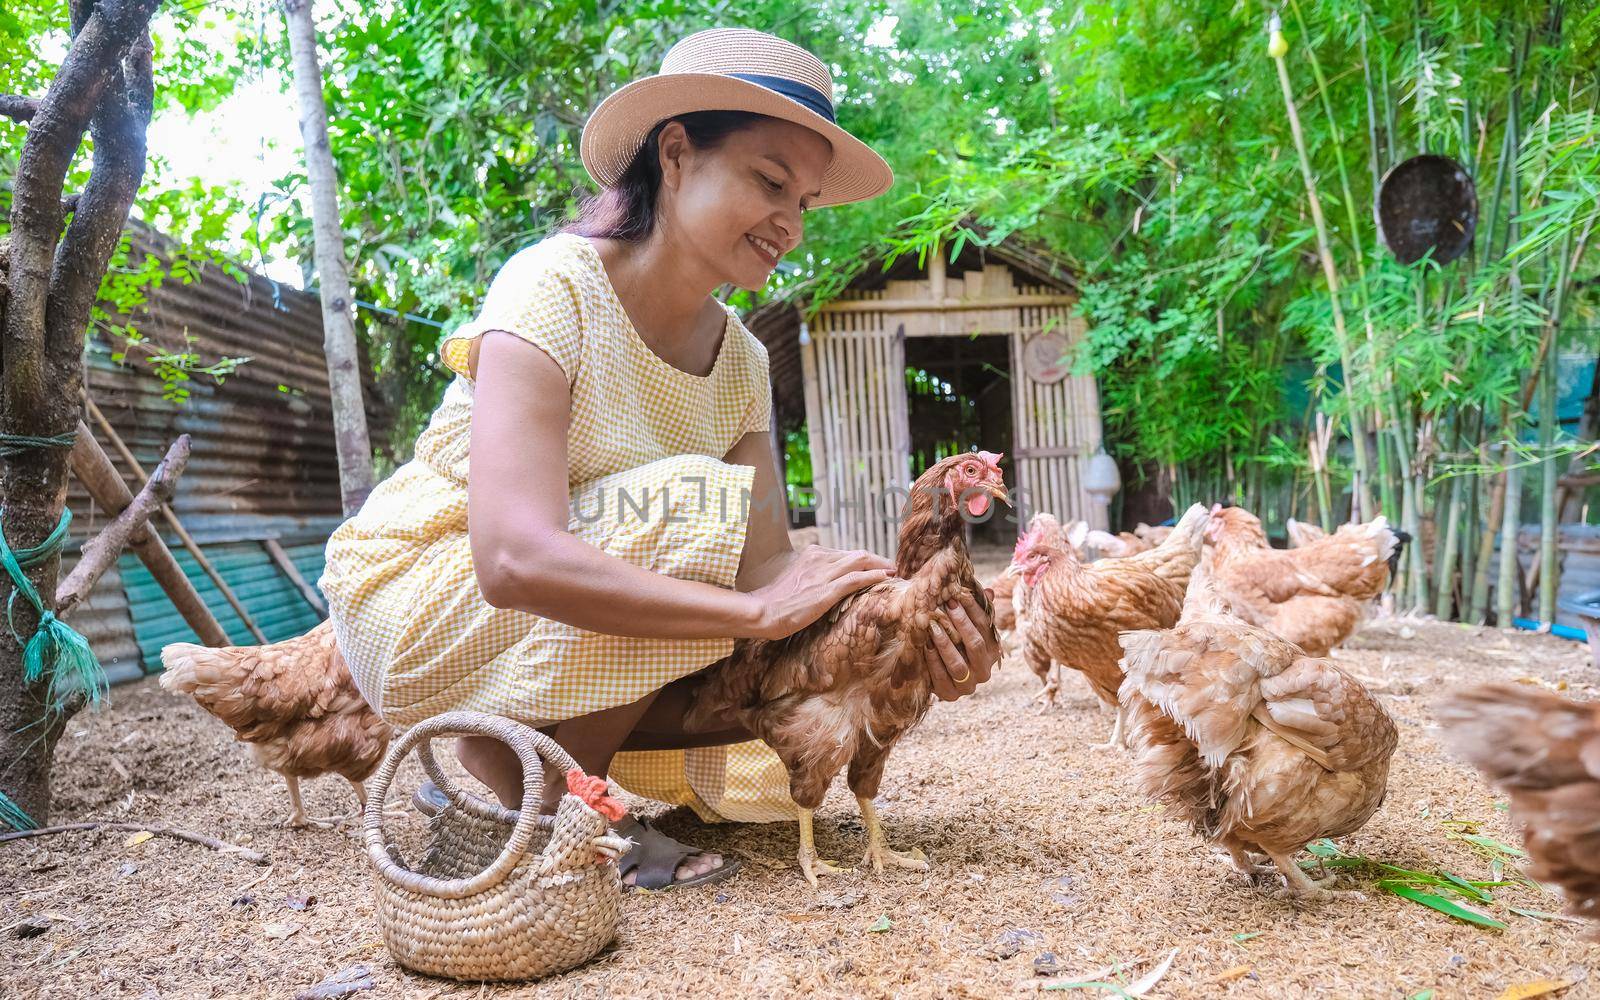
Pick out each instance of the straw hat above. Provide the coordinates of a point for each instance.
(733, 69)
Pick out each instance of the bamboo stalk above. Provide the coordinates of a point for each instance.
(1358, 433)
(1548, 526)
(1507, 590)
(1444, 562)
(1479, 608)
(1419, 500)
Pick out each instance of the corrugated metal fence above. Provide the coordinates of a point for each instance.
(263, 464)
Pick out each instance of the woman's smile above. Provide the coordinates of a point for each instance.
(768, 252)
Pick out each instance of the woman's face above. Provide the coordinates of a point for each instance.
(738, 207)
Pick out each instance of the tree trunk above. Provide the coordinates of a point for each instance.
(333, 276)
(103, 87)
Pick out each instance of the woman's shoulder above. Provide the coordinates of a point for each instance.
(559, 255)
(747, 348)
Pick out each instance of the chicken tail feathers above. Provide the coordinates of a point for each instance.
(1189, 532)
(179, 663)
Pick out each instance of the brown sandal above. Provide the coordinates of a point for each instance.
(656, 857)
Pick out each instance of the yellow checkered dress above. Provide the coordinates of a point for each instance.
(647, 484)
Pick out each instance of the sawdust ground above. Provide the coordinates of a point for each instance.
(1028, 828)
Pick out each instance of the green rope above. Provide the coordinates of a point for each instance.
(16, 444)
(12, 815)
(72, 665)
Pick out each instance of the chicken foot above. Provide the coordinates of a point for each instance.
(811, 865)
(1246, 865)
(391, 810)
(878, 851)
(1052, 684)
(1301, 884)
(297, 811)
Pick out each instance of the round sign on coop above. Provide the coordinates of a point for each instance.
(1045, 358)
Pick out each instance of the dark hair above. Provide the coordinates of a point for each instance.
(627, 210)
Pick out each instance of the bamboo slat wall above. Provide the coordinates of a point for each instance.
(853, 357)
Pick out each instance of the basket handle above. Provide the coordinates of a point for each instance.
(532, 749)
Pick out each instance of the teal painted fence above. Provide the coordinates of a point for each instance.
(276, 604)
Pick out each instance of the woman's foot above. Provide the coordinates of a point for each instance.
(657, 861)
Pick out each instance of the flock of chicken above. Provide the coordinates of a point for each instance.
(1214, 659)
(1209, 645)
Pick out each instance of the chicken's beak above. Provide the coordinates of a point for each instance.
(997, 489)
(609, 847)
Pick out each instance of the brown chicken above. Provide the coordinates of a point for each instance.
(1180, 550)
(1074, 611)
(1004, 586)
(1315, 596)
(1259, 746)
(293, 702)
(1154, 534)
(1302, 533)
(1545, 752)
(842, 691)
(1105, 545)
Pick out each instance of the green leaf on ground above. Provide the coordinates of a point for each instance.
(1445, 906)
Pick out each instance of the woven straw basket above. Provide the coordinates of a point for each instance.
(497, 894)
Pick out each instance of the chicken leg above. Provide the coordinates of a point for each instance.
(391, 810)
(1047, 695)
(297, 810)
(878, 851)
(1119, 737)
(1245, 865)
(811, 865)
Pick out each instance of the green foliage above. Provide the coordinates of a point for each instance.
(1145, 144)
(190, 76)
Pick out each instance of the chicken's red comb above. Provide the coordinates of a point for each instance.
(1024, 543)
(592, 791)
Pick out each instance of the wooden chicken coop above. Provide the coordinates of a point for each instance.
(990, 332)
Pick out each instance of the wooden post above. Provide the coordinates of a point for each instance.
(101, 551)
(94, 470)
(173, 522)
(333, 277)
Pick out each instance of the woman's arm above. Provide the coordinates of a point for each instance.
(524, 557)
(767, 551)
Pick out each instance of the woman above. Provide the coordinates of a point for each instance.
(623, 521)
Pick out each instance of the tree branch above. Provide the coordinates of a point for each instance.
(254, 857)
(101, 480)
(102, 550)
(118, 129)
(54, 136)
(18, 108)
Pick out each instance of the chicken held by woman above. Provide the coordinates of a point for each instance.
(841, 693)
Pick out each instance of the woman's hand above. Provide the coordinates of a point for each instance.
(813, 581)
(958, 664)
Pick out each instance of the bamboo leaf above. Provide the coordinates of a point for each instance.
(1445, 906)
